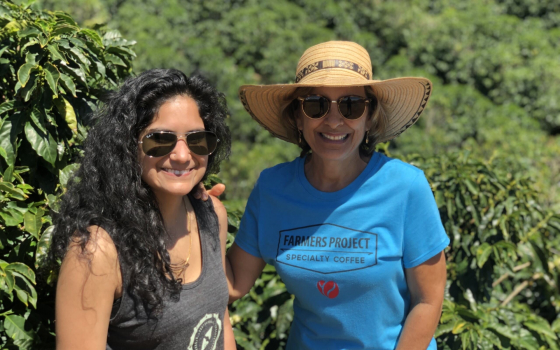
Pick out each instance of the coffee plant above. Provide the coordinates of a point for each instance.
(52, 73)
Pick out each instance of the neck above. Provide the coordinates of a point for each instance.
(173, 210)
(333, 175)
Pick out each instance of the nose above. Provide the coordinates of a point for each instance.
(181, 153)
(334, 118)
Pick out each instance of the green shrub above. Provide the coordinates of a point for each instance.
(502, 289)
(52, 73)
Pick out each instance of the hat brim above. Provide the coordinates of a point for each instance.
(402, 100)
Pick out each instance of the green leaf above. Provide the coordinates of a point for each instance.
(65, 174)
(12, 191)
(14, 326)
(77, 73)
(24, 73)
(8, 173)
(459, 327)
(6, 131)
(43, 41)
(114, 59)
(2, 50)
(43, 246)
(121, 50)
(29, 31)
(43, 144)
(471, 186)
(55, 53)
(556, 325)
(67, 111)
(81, 57)
(6, 106)
(483, 253)
(52, 75)
(31, 58)
(541, 327)
(4, 155)
(32, 222)
(444, 328)
(93, 35)
(37, 119)
(22, 296)
(63, 29)
(68, 84)
(31, 292)
(9, 281)
(66, 18)
(27, 91)
(11, 216)
(23, 270)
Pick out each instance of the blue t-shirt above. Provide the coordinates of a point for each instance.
(343, 254)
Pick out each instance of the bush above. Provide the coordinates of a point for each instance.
(52, 74)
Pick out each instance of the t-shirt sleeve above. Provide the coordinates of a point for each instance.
(247, 237)
(424, 235)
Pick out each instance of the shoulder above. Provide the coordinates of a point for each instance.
(99, 246)
(97, 256)
(398, 170)
(221, 212)
(279, 172)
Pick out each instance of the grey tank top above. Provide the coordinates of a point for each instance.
(195, 321)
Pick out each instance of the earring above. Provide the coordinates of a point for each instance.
(300, 134)
(367, 137)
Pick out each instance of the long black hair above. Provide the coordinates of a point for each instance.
(107, 190)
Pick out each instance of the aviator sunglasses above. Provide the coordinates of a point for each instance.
(317, 106)
(161, 143)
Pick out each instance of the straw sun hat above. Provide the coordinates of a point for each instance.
(338, 64)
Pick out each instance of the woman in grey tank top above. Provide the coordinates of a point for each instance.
(142, 259)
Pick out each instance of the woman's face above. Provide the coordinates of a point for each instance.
(334, 137)
(179, 171)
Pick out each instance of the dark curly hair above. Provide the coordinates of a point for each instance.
(107, 190)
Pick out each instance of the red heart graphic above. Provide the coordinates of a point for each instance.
(328, 289)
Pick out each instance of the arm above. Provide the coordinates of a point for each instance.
(87, 284)
(229, 339)
(426, 283)
(242, 271)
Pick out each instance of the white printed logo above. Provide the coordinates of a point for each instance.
(206, 333)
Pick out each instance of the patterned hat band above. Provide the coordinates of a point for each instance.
(327, 64)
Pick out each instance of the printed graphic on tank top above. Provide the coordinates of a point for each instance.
(206, 333)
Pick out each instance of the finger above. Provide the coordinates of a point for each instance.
(217, 190)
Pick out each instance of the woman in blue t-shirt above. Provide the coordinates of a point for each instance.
(356, 236)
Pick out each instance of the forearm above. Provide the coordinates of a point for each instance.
(242, 270)
(234, 294)
(419, 327)
(229, 339)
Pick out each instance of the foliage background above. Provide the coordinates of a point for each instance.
(489, 141)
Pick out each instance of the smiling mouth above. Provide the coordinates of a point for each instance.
(176, 172)
(334, 137)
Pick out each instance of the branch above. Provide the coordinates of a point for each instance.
(507, 274)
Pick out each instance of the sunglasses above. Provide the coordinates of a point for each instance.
(161, 143)
(317, 106)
